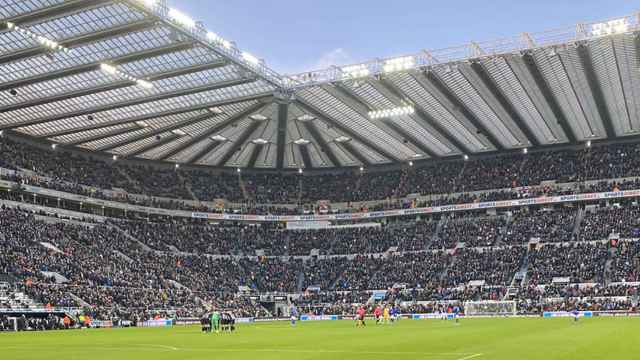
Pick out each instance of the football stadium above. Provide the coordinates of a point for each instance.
(167, 194)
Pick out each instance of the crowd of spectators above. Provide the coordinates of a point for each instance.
(494, 267)
(579, 262)
(544, 226)
(446, 177)
(473, 232)
(138, 267)
(618, 221)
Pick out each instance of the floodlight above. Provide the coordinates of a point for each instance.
(181, 18)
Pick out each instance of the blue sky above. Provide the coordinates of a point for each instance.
(294, 36)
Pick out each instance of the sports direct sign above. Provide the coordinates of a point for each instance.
(425, 210)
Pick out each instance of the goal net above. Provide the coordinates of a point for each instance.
(490, 307)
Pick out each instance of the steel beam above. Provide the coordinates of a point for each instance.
(157, 131)
(306, 159)
(214, 129)
(161, 114)
(102, 136)
(497, 94)
(283, 115)
(139, 101)
(352, 134)
(240, 141)
(596, 89)
(459, 105)
(80, 69)
(257, 148)
(203, 153)
(319, 140)
(154, 144)
(112, 86)
(356, 154)
(56, 11)
(79, 40)
(530, 62)
(423, 117)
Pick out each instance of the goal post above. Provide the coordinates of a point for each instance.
(490, 308)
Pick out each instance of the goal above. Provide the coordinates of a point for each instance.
(490, 307)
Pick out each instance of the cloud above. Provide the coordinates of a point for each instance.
(337, 56)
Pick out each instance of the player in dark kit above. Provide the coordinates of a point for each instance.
(227, 322)
(205, 321)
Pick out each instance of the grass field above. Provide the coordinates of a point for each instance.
(548, 339)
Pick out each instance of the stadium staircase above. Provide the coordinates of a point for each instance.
(608, 266)
(187, 186)
(125, 174)
(128, 236)
(403, 180)
(299, 195)
(502, 231)
(576, 225)
(436, 234)
(243, 188)
(443, 275)
(300, 281)
(519, 279)
(78, 299)
(123, 256)
(358, 183)
(460, 174)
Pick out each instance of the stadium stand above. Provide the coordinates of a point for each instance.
(167, 195)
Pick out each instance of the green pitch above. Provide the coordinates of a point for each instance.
(490, 339)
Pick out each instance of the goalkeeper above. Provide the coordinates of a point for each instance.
(215, 321)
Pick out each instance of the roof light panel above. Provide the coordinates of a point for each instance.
(339, 111)
(368, 153)
(69, 124)
(140, 69)
(229, 111)
(232, 133)
(133, 92)
(87, 54)
(12, 8)
(553, 72)
(151, 139)
(519, 67)
(93, 132)
(267, 156)
(627, 57)
(605, 65)
(170, 62)
(461, 87)
(54, 87)
(107, 141)
(258, 87)
(380, 102)
(575, 72)
(506, 80)
(228, 133)
(421, 96)
(70, 26)
(14, 41)
(185, 154)
(159, 151)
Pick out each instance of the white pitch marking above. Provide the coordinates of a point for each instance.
(159, 346)
(471, 357)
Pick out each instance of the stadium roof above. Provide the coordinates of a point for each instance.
(138, 79)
